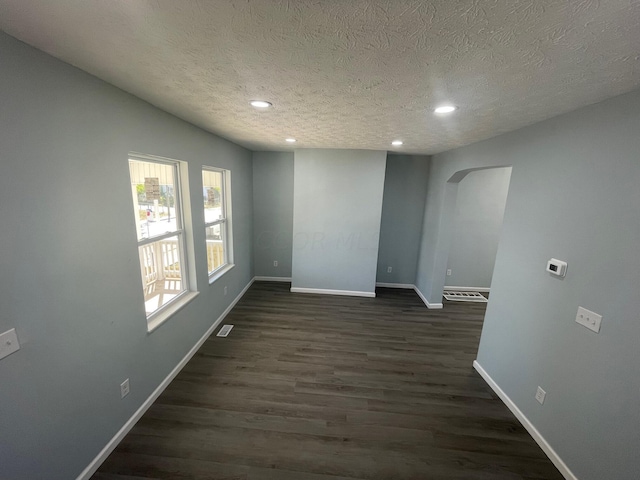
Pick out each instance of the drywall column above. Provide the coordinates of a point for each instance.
(336, 220)
(405, 189)
(272, 214)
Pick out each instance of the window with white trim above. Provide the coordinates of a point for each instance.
(216, 185)
(157, 209)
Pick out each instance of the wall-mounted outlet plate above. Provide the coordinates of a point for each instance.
(540, 395)
(557, 267)
(225, 289)
(389, 269)
(8, 343)
(124, 388)
(589, 319)
(275, 263)
(448, 272)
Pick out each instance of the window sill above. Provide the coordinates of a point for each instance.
(219, 273)
(171, 309)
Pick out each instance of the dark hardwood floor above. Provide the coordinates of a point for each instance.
(325, 387)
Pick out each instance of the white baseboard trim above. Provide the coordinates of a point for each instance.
(537, 436)
(408, 286)
(432, 306)
(322, 291)
(468, 289)
(113, 443)
(272, 279)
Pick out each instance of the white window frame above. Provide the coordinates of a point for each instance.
(225, 222)
(182, 232)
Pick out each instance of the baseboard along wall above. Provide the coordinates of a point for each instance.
(113, 443)
(323, 291)
(432, 306)
(526, 423)
(410, 286)
(258, 278)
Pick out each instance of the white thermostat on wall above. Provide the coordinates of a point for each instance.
(557, 267)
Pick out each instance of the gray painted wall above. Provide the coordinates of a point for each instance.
(405, 191)
(71, 285)
(272, 213)
(336, 218)
(574, 195)
(477, 223)
(70, 281)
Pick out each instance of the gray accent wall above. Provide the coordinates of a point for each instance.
(272, 213)
(336, 218)
(575, 196)
(477, 224)
(405, 191)
(70, 282)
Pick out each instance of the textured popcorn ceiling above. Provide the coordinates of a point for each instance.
(347, 74)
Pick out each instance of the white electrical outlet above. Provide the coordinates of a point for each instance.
(557, 267)
(389, 269)
(9, 343)
(540, 394)
(275, 263)
(124, 388)
(448, 272)
(589, 319)
(225, 289)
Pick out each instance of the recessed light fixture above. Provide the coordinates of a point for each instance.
(290, 140)
(445, 109)
(260, 104)
(396, 143)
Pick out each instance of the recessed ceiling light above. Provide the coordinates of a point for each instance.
(445, 109)
(260, 104)
(396, 142)
(290, 140)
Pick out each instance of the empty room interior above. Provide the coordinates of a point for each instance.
(365, 239)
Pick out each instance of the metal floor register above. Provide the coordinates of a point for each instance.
(464, 296)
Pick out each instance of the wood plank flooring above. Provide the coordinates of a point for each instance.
(332, 388)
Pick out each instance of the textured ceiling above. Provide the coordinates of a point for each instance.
(347, 74)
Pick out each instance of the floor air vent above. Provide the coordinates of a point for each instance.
(224, 331)
(464, 296)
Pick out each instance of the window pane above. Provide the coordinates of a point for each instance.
(215, 247)
(161, 272)
(212, 191)
(153, 186)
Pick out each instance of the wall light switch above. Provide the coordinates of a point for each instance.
(540, 395)
(8, 343)
(589, 319)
